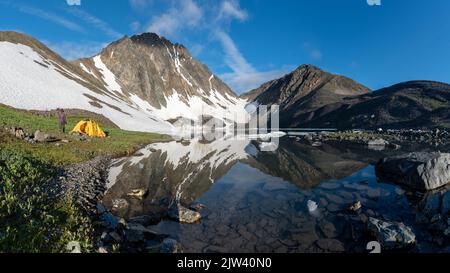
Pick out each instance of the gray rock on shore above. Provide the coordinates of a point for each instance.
(378, 142)
(420, 171)
(40, 136)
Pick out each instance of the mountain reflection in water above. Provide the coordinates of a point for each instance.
(256, 201)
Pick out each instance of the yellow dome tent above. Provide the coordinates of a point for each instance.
(90, 128)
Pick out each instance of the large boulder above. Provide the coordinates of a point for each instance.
(19, 133)
(41, 137)
(391, 235)
(420, 171)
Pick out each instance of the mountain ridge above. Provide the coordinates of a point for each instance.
(141, 83)
(147, 83)
(312, 98)
(411, 104)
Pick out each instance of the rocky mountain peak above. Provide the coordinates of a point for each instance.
(151, 39)
(305, 81)
(303, 90)
(150, 69)
(309, 69)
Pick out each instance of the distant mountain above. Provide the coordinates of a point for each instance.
(415, 104)
(305, 89)
(141, 83)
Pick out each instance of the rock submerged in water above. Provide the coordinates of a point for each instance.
(392, 235)
(138, 193)
(355, 207)
(312, 206)
(183, 214)
(420, 171)
(171, 246)
(137, 233)
(119, 204)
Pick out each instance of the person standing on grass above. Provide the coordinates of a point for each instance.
(62, 120)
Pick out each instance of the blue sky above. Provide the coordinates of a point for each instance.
(249, 42)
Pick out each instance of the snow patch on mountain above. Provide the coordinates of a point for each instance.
(108, 77)
(87, 70)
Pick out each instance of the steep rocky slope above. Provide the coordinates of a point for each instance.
(161, 77)
(305, 89)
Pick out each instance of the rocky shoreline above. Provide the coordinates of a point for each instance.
(379, 139)
(85, 184)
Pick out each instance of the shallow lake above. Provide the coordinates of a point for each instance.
(256, 201)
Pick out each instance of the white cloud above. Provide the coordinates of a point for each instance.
(231, 9)
(233, 58)
(95, 22)
(76, 50)
(73, 2)
(185, 13)
(244, 77)
(214, 18)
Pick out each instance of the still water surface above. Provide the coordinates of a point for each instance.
(256, 201)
